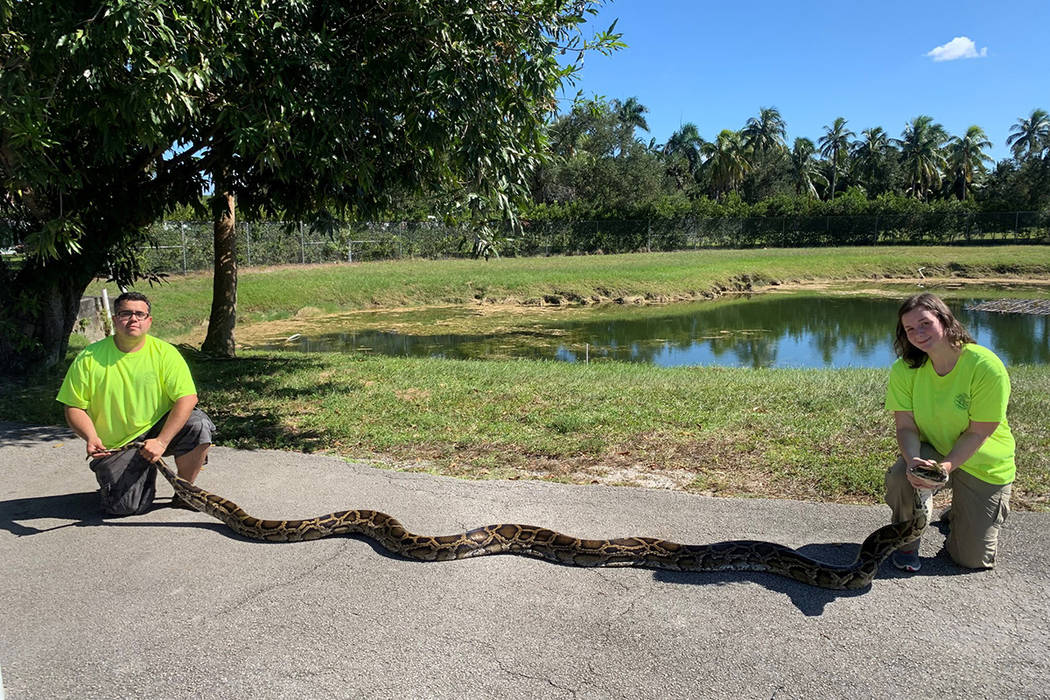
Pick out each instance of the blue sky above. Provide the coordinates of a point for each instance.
(716, 64)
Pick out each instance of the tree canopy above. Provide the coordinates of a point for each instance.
(752, 165)
(114, 112)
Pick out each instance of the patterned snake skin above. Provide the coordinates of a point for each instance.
(533, 541)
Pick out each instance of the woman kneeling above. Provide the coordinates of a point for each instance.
(948, 396)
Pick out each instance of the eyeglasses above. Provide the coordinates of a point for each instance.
(128, 315)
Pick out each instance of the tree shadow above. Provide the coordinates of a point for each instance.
(260, 427)
(26, 435)
(253, 376)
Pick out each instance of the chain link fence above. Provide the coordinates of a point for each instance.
(188, 245)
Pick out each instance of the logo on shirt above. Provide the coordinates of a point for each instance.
(962, 402)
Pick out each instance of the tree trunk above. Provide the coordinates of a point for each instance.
(38, 307)
(219, 341)
(834, 176)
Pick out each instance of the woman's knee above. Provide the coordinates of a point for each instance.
(978, 513)
(973, 558)
(897, 477)
(972, 545)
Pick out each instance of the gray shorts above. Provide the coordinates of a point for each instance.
(128, 482)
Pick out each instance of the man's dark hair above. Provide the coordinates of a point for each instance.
(132, 296)
(953, 330)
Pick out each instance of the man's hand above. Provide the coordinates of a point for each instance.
(96, 450)
(80, 422)
(916, 478)
(153, 449)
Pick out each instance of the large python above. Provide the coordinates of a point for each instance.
(533, 541)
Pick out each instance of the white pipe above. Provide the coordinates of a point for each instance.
(109, 317)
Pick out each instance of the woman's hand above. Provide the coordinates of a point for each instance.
(919, 480)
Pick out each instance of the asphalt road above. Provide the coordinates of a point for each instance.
(170, 604)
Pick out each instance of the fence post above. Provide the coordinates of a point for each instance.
(1017, 227)
(302, 244)
(182, 230)
(248, 239)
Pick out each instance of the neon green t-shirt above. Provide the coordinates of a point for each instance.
(977, 389)
(125, 394)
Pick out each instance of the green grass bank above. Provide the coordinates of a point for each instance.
(806, 434)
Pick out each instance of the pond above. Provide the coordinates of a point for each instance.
(764, 330)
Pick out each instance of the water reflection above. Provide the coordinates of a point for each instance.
(770, 330)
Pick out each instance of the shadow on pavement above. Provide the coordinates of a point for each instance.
(24, 435)
(811, 600)
(81, 509)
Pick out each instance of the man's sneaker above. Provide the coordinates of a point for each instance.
(907, 560)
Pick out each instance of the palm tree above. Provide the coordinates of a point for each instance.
(921, 155)
(683, 144)
(1030, 137)
(631, 116)
(804, 171)
(832, 145)
(726, 161)
(763, 137)
(765, 134)
(870, 155)
(966, 156)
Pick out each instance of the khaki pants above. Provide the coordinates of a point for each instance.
(978, 510)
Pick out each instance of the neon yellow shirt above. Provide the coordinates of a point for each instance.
(125, 394)
(977, 389)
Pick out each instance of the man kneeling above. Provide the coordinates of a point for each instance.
(132, 387)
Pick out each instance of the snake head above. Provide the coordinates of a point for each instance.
(936, 475)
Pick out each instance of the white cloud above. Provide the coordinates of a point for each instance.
(959, 47)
